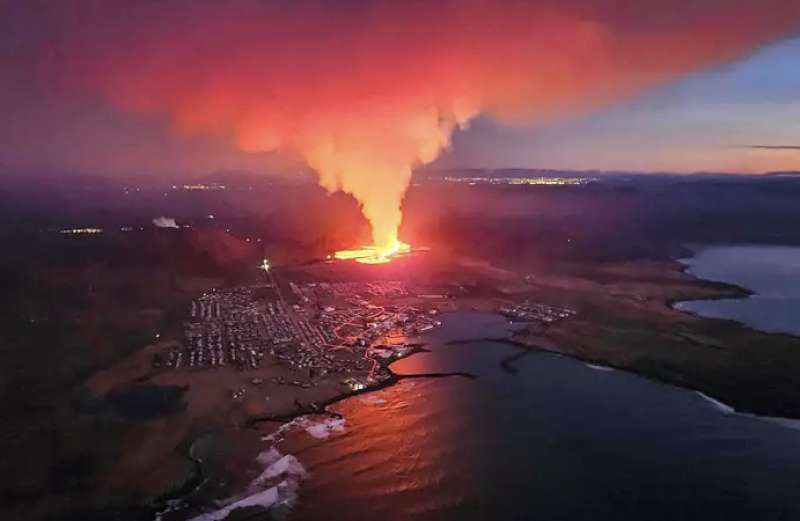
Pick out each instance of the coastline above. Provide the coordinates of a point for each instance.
(288, 421)
(587, 325)
(740, 293)
(321, 408)
(724, 408)
(603, 366)
(718, 340)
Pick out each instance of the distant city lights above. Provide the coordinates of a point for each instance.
(200, 186)
(77, 231)
(558, 181)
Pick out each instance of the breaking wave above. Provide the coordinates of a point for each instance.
(276, 487)
(789, 423)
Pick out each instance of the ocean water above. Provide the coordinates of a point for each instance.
(772, 273)
(556, 440)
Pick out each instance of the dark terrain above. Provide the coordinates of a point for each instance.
(76, 304)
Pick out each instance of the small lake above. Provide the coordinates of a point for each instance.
(772, 273)
(555, 440)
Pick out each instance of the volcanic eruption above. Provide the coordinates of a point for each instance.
(363, 91)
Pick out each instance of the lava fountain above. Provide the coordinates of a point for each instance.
(365, 93)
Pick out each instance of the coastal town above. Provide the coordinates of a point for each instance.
(291, 330)
(349, 329)
(535, 312)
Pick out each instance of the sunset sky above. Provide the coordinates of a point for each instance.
(643, 86)
(739, 117)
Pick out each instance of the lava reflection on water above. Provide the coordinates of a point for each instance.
(394, 459)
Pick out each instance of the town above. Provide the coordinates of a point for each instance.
(345, 328)
(535, 312)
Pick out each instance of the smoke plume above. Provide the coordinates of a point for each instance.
(364, 91)
(165, 222)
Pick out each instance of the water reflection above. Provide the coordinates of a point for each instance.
(558, 440)
(392, 448)
(771, 272)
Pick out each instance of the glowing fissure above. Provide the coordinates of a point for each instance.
(366, 91)
(374, 254)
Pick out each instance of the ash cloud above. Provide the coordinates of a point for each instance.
(364, 91)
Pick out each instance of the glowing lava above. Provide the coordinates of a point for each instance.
(363, 94)
(374, 254)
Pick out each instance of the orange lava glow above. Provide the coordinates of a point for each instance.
(374, 254)
(364, 91)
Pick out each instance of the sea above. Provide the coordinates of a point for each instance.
(772, 273)
(538, 436)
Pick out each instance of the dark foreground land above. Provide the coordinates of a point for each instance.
(94, 430)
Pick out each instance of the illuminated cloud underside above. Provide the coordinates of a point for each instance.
(363, 91)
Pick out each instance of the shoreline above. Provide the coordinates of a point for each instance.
(724, 408)
(601, 365)
(161, 505)
(741, 293)
(321, 408)
(507, 365)
(286, 421)
(540, 342)
(707, 393)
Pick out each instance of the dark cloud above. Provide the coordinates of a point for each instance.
(769, 147)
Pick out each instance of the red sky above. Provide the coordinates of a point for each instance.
(361, 91)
